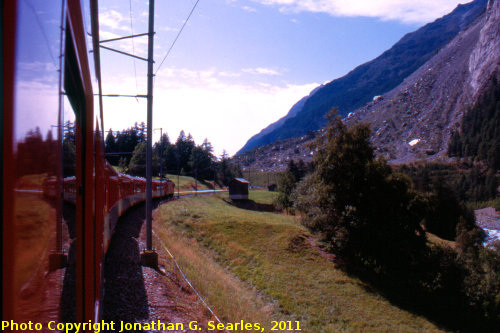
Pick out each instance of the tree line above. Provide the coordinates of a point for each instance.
(376, 222)
(479, 133)
(127, 149)
(36, 155)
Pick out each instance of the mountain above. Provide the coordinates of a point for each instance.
(373, 78)
(417, 119)
(292, 113)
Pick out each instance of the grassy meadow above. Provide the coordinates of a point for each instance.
(187, 183)
(261, 266)
(184, 183)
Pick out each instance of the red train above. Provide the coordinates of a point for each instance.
(60, 198)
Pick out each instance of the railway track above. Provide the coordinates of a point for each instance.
(125, 296)
(134, 293)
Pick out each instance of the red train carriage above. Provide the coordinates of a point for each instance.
(60, 199)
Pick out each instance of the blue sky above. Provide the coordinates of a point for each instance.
(241, 64)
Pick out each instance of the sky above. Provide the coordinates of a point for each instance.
(237, 66)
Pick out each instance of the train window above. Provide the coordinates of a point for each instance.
(38, 255)
(72, 79)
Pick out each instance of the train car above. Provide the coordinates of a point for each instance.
(60, 198)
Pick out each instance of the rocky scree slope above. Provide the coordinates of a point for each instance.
(416, 119)
(375, 77)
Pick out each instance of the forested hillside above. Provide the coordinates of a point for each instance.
(479, 134)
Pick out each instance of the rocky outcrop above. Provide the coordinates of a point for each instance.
(485, 56)
(416, 119)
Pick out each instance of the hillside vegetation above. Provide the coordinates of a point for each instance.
(479, 134)
(280, 272)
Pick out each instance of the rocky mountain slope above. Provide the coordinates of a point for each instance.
(275, 156)
(277, 124)
(376, 77)
(416, 119)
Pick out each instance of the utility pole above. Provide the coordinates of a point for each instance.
(178, 173)
(196, 178)
(161, 156)
(150, 257)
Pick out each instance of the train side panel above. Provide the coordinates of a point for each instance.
(34, 237)
(60, 199)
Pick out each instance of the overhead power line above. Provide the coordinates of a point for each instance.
(133, 44)
(177, 37)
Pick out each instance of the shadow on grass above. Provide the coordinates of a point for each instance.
(446, 307)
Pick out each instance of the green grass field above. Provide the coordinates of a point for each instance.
(263, 266)
(184, 183)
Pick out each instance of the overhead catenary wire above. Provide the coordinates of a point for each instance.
(178, 35)
(133, 44)
(42, 30)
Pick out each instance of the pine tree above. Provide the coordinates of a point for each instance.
(137, 165)
(184, 146)
(110, 147)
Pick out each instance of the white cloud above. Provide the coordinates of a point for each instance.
(36, 66)
(36, 104)
(228, 74)
(202, 103)
(249, 9)
(113, 20)
(401, 10)
(114, 24)
(261, 71)
(107, 35)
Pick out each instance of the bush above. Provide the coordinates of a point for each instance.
(446, 212)
(286, 184)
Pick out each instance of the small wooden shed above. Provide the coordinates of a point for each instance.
(238, 189)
